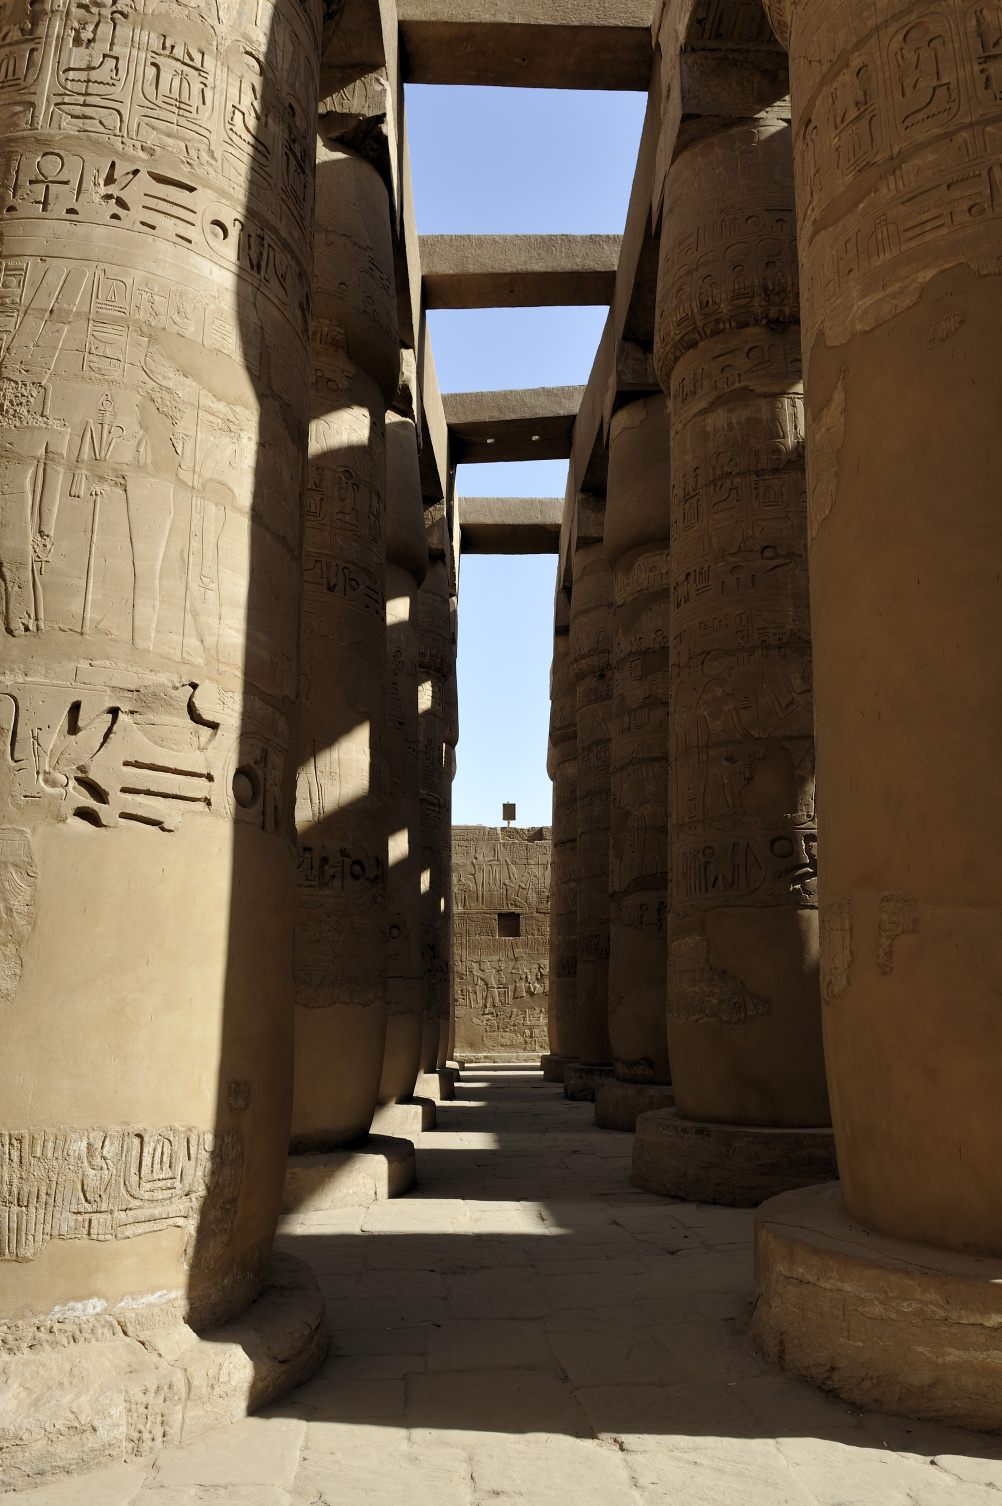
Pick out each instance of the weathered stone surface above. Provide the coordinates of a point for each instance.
(591, 631)
(617, 1104)
(583, 44)
(905, 535)
(744, 1016)
(341, 801)
(404, 1120)
(886, 1323)
(582, 1079)
(153, 417)
(439, 1084)
(737, 1165)
(381, 1166)
(518, 271)
(406, 567)
(532, 423)
(450, 738)
(635, 541)
(79, 1392)
(501, 922)
(510, 525)
(562, 767)
(553, 1067)
(435, 660)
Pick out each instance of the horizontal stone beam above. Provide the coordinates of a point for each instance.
(510, 525)
(531, 44)
(532, 423)
(518, 271)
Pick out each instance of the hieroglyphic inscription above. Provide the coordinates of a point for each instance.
(116, 1183)
(501, 885)
(898, 121)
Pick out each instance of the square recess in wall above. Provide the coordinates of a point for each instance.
(510, 923)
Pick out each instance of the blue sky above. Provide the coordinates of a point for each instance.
(514, 161)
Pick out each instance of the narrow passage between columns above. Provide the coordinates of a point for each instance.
(526, 1328)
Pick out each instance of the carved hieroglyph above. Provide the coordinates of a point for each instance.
(897, 138)
(741, 774)
(436, 660)
(591, 633)
(562, 766)
(636, 545)
(501, 894)
(406, 567)
(155, 246)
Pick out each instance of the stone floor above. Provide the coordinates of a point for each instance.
(527, 1328)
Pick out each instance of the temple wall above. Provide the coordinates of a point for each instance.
(501, 930)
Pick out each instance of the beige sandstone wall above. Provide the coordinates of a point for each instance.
(501, 896)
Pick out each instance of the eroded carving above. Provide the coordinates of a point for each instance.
(701, 994)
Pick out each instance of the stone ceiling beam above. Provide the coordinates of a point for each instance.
(518, 271)
(521, 424)
(534, 44)
(510, 525)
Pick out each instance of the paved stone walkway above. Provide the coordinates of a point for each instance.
(527, 1328)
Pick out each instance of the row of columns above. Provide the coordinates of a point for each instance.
(227, 687)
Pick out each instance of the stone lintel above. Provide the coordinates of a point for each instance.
(521, 424)
(518, 271)
(887, 1324)
(510, 525)
(535, 44)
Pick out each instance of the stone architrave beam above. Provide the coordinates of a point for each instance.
(533, 423)
(510, 525)
(535, 44)
(518, 271)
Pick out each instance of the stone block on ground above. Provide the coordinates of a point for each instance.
(439, 1085)
(736, 1165)
(553, 1067)
(90, 1392)
(580, 1081)
(383, 1166)
(888, 1325)
(409, 1118)
(617, 1104)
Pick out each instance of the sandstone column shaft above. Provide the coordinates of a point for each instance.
(447, 944)
(744, 1012)
(155, 247)
(897, 151)
(591, 662)
(563, 770)
(341, 804)
(636, 546)
(406, 567)
(434, 666)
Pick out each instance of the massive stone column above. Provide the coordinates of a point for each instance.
(591, 666)
(341, 803)
(450, 736)
(897, 117)
(154, 308)
(406, 568)
(744, 1012)
(562, 767)
(435, 662)
(635, 542)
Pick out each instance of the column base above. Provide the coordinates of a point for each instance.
(553, 1067)
(888, 1325)
(381, 1167)
(736, 1165)
(439, 1085)
(409, 1118)
(581, 1080)
(82, 1392)
(617, 1104)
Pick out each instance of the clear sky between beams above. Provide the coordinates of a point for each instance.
(517, 162)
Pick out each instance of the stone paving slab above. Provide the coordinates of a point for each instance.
(527, 1329)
